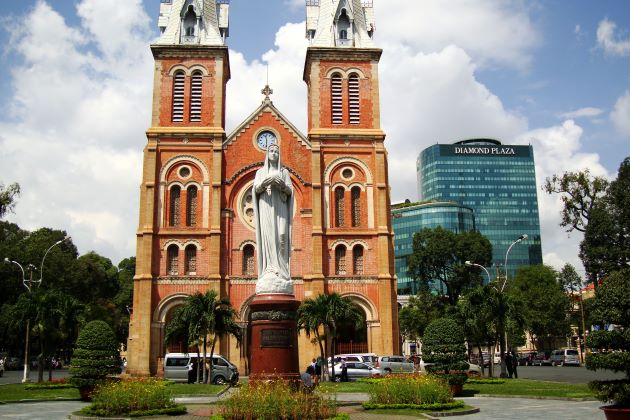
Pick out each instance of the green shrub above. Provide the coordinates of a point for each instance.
(410, 389)
(611, 306)
(134, 397)
(95, 356)
(273, 400)
(443, 346)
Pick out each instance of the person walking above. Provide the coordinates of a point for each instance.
(344, 371)
(508, 364)
(514, 364)
(318, 370)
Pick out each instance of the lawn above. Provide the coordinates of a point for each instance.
(530, 387)
(525, 387)
(15, 392)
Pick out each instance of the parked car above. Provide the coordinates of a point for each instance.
(177, 365)
(358, 370)
(526, 358)
(476, 359)
(472, 370)
(565, 357)
(393, 364)
(542, 359)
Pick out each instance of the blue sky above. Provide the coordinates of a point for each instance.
(75, 95)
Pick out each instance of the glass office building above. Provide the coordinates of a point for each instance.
(499, 183)
(409, 218)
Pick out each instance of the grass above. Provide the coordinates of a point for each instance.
(16, 392)
(195, 389)
(530, 387)
(338, 387)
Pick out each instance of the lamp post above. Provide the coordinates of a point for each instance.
(471, 264)
(28, 283)
(503, 343)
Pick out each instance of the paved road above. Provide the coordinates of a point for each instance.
(570, 374)
(491, 409)
(15, 376)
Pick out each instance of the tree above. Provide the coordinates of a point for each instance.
(544, 302)
(199, 316)
(580, 192)
(8, 195)
(95, 357)
(611, 311)
(443, 346)
(439, 255)
(333, 310)
(422, 308)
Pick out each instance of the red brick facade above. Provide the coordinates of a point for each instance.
(214, 224)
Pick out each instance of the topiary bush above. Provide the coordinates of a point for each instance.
(611, 307)
(95, 357)
(443, 347)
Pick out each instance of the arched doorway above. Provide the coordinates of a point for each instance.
(351, 339)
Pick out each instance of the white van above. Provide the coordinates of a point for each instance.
(178, 365)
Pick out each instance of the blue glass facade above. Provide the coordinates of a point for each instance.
(408, 219)
(498, 182)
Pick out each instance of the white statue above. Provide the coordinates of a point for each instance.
(273, 210)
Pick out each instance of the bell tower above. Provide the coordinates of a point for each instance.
(352, 234)
(178, 237)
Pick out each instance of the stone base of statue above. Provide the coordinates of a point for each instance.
(274, 345)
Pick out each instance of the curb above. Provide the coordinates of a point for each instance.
(437, 415)
(535, 397)
(34, 401)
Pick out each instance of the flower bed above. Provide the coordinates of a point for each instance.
(138, 397)
(275, 399)
(410, 390)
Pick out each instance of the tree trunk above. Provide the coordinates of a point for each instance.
(480, 357)
(205, 348)
(214, 342)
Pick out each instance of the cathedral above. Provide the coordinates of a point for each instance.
(196, 227)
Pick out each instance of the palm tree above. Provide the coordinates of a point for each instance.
(199, 316)
(327, 312)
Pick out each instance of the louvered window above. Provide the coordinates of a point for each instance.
(191, 206)
(248, 260)
(340, 260)
(340, 207)
(174, 206)
(337, 99)
(354, 108)
(172, 260)
(357, 260)
(178, 96)
(190, 262)
(356, 206)
(195, 96)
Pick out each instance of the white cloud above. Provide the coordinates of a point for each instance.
(587, 112)
(492, 32)
(608, 42)
(557, 150)
(620, 115)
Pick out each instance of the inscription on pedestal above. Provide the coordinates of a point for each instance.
(275, 338)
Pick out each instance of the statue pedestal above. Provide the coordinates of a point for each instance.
(274, 345)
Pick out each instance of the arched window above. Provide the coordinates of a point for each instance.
(195, 96)
(356, 206)
(191, 206)
(178, 96)
(343, 34)
(340, 207)
(340, 260)
(172, 260)
(174, 205)
(248, 260)
(190, 261)
(343, 27)
(357, 260)
(336, 92)
(354, 107)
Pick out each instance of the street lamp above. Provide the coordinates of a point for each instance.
(471, 264)
(504, 332)
(28, 283)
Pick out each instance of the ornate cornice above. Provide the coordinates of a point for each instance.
(181, 280)
(251, 166)
(351, 280)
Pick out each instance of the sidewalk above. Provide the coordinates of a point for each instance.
(492, 408)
